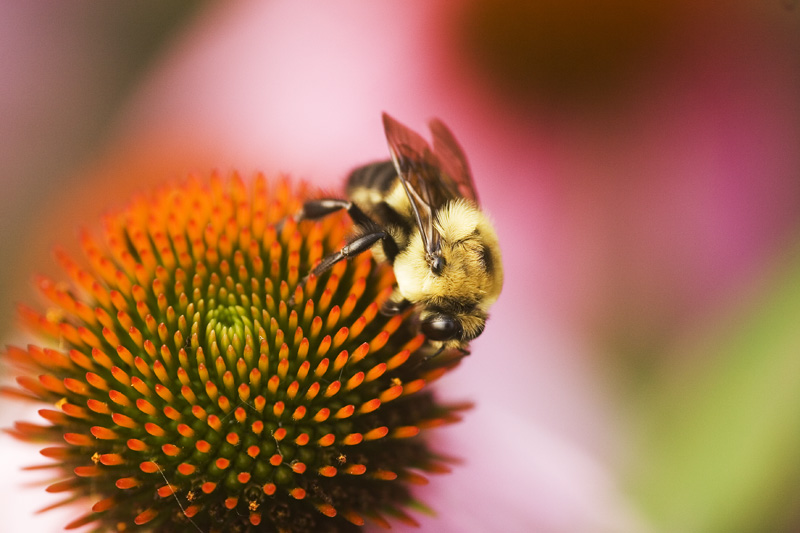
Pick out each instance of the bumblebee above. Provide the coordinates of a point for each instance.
(419, 212)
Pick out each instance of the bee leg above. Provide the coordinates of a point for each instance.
(371, 230)
(429, 357)
(323, 207)
(395, 305)
(357, 246)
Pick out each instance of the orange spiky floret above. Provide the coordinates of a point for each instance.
(198, 384)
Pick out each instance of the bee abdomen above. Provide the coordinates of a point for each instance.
(375, 176)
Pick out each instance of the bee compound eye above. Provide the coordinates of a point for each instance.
(441, 327)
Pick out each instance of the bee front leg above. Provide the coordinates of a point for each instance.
(357, 246)
(428, 357)
(322, 207)
(395, 305)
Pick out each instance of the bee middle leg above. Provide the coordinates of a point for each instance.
(371, 231)
(357, 246)
(323, 207)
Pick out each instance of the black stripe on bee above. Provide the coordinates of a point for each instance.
(486, 259)
(377, 176)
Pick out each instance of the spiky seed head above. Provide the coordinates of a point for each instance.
(195, 384)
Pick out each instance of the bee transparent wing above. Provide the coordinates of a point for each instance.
(418, 171)
(456, 176)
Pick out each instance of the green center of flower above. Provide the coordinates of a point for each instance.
(227, 322)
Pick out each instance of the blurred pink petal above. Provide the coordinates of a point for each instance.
(518, 476)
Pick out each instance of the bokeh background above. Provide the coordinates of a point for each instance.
(641, 160)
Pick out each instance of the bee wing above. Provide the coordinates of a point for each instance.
(418, 171)
(456, 176)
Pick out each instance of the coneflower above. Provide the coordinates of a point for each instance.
(195, 385)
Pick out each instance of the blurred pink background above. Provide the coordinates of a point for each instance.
(640, 163)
